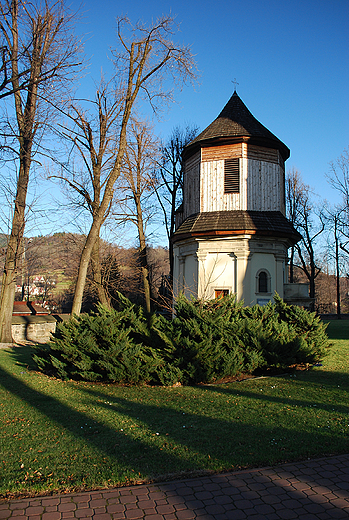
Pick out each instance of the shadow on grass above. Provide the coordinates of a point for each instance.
(167, 441)
(337, 329)
(324, 381)
(106, 439)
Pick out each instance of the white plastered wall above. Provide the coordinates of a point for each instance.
(203, 266)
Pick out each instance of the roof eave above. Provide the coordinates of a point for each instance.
(176, 237)
(275, 144)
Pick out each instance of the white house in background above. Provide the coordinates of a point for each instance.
(232, 235)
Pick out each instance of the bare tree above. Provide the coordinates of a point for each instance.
(295, 189)
(137, 187)
(300, 210)
(170, 180)
(339, 180)
(145, 57)
(92, 136)
(42, 57)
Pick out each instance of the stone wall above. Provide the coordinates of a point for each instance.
(33, 328)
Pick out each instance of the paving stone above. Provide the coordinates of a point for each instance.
(99, 511)
(128, 499)
(243, 504)
(163, 501)
(223, 500)
(165, 509)
(340, 503)
(186, 514)
(67, 506)
(308, 516)
(151, 511)
(339, 513)
(264, 509)
(203, 495)
(17, 505)
(314, 508)
(133, 505)
(176, 500)
(215, 509)
(84, 513)
(342, 493)
(287, 514)
(111, 493)
(257, 516)
(157, 495)
(34, 510)
(236, 515)
(51, 516)
(146, 504)
(291, 503)
(250, 495)
(134, 514)
(320, 499)
(153, 517)
(115, 508)
(221, 516)
(331, 496)
(194, 504)
(271, 499)
(118, 516)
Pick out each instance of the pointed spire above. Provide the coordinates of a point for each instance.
(236, 122)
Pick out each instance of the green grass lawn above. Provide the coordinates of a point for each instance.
(60, 436)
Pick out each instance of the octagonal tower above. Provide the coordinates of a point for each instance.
(231, 232)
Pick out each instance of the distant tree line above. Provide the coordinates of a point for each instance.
(321, 257)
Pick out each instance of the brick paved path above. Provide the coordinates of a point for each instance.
(309, 490)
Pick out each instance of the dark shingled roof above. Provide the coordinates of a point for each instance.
(234, 123)
(268, 223)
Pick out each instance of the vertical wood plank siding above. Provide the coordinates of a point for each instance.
(261, 180)
(192, 188)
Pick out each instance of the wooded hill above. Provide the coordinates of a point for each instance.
(55, 259)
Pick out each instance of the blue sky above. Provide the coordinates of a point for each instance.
(290, 59)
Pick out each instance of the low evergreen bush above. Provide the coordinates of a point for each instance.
(205, 342)
(107, 345)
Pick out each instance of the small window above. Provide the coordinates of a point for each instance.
(262, 282)
(232, 176)
(220, 293)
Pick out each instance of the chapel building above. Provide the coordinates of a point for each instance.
(232, 235)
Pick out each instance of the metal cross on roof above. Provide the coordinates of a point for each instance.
(235, 83)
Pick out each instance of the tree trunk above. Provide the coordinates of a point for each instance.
(291, 270)
(83, 266)
(14, 251)
(339, 316)
(97, 275)
(143, 258)
(7, 299)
